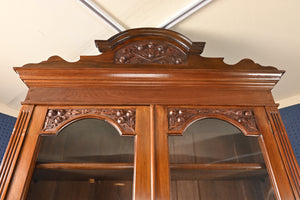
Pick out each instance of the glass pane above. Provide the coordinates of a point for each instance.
(87, 160)
(87, 140)
(214, 160)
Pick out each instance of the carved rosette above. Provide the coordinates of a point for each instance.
(124, 118)
(179, 117)
(150, 52)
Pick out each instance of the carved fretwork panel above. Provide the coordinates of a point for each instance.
(179, 118)
(150, 52)
(123, 118)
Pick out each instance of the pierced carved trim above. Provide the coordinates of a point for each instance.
(124, 118)
(150, 52)
(179, 117)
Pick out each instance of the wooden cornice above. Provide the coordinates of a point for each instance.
(149, 47)
(148, 59)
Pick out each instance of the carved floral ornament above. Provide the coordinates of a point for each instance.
(179, 117)
(124, 118)
(150, 52)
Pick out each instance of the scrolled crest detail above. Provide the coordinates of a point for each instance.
(150, 52)
(123, 118)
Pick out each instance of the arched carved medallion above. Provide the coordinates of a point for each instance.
(179, 117)
(124, 118)
(150, 52)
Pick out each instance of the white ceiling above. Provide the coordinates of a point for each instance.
(265, 31)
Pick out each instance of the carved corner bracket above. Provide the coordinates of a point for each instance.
(179, 118)
(150, 52)
(123, 118)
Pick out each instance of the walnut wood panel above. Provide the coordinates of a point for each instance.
(13, 149)
(157, 67)
(144, 75)
(25, 164)
(135, 34)
(84, 165)
(220, 166)
(134, 75)
(285, 148)
(124, 119)
(161, 154)
(152, 151)
(274, 163)
(180, 118)
(83, 174)
(150, 52)
(143, 172)
(147, 95)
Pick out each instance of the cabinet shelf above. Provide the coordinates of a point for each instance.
(84, 166)
(219, 171)
(219, 166)
(83, 171)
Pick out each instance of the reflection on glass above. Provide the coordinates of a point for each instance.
(87, 160)
(214, 160)
(88, 140)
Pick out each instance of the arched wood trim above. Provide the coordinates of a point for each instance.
(121, 119)
(128, 36)
(180, 119)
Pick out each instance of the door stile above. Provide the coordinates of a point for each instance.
(285, 148)
(142, 174)
(162, 154)
(152, 141)
(13, 149)
(273, 160)
(25, 163)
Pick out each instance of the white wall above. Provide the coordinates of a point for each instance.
(289, 101)
(8, 111)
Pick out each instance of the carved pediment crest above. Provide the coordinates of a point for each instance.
(150, 52)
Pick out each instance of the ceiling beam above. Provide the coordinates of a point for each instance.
(109, 20)
(183, 13)
(172, 21)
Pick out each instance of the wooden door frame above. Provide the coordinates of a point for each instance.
(24, 156)
(278, 174)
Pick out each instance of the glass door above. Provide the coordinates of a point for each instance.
(88, 159)
(213, 159)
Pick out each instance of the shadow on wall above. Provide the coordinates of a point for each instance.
(7, 124)
(291, 119)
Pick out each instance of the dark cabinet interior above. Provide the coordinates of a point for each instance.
(212, 159)
(88, 159)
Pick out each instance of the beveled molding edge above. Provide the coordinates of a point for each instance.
(13, 148)
(180, 118)
(124, 119)
(285, 149)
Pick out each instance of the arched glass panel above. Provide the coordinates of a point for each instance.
(214, 160)
(88, 159)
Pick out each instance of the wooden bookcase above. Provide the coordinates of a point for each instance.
(149, 118)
